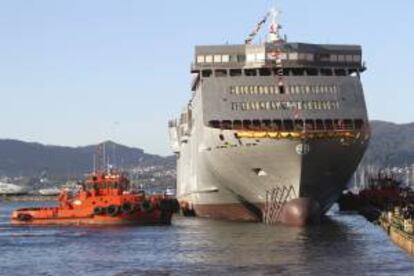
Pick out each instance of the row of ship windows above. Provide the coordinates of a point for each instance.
(261, 57)
(290, 89)
(288, 105)
(219, 73)
(289, 125)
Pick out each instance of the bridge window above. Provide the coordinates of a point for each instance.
(348, 124)
(298, 125)
(209, 59)
(340, 72)
(235, 72)
(226, 125)
(309, 57)
(206, 73)
(319, 124)
(214, 124)
(310, 125)
(247, 124)
(265, 72)
(277, 124)
(217, 58)
(326, 72)
(293, 56)
(225, 58)
(338, 124)
(288, 125)
(201, 59)
(221, 73)
(250, 72)
(311, 72)
(237, 124)
(324, 57)
(356, 58)
(256, 124)
(359, 124)
(298, 71)
(329, 124)
(267, 124)
(241, 58)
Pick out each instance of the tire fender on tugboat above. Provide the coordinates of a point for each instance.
(127, 208)
(113, 210)
(146, 206)
(98, 211)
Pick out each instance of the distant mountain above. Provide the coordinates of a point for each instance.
(391, 144)
(18, 158)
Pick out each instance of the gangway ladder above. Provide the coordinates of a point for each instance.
(275, 200)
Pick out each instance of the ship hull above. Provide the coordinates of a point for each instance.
(234, 181)
(48, 217)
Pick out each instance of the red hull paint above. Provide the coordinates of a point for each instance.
(298, 212)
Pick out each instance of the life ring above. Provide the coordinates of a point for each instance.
(98, 211)
(127, 208)
(112, 210)
(146, 206)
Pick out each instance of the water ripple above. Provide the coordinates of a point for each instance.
(343, 244)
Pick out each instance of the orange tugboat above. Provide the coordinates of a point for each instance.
(105, 199)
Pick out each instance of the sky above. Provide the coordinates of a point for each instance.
(78, 72)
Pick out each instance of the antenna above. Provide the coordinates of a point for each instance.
(104, 155)
(275, 27)
(94, 163)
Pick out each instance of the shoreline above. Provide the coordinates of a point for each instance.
(27, 198)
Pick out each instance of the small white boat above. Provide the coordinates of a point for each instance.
(12, 189)
(50, 191)
(170, 192)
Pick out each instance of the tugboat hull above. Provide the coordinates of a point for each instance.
(49, 217)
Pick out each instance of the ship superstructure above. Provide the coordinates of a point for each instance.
(273, 131)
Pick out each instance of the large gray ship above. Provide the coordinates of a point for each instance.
(273, 131)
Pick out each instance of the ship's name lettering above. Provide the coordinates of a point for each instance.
(284, 105)
(289, 89)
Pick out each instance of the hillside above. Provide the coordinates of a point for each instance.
(391, 144)
(19, 158)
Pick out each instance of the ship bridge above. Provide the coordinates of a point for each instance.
(296, 59)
